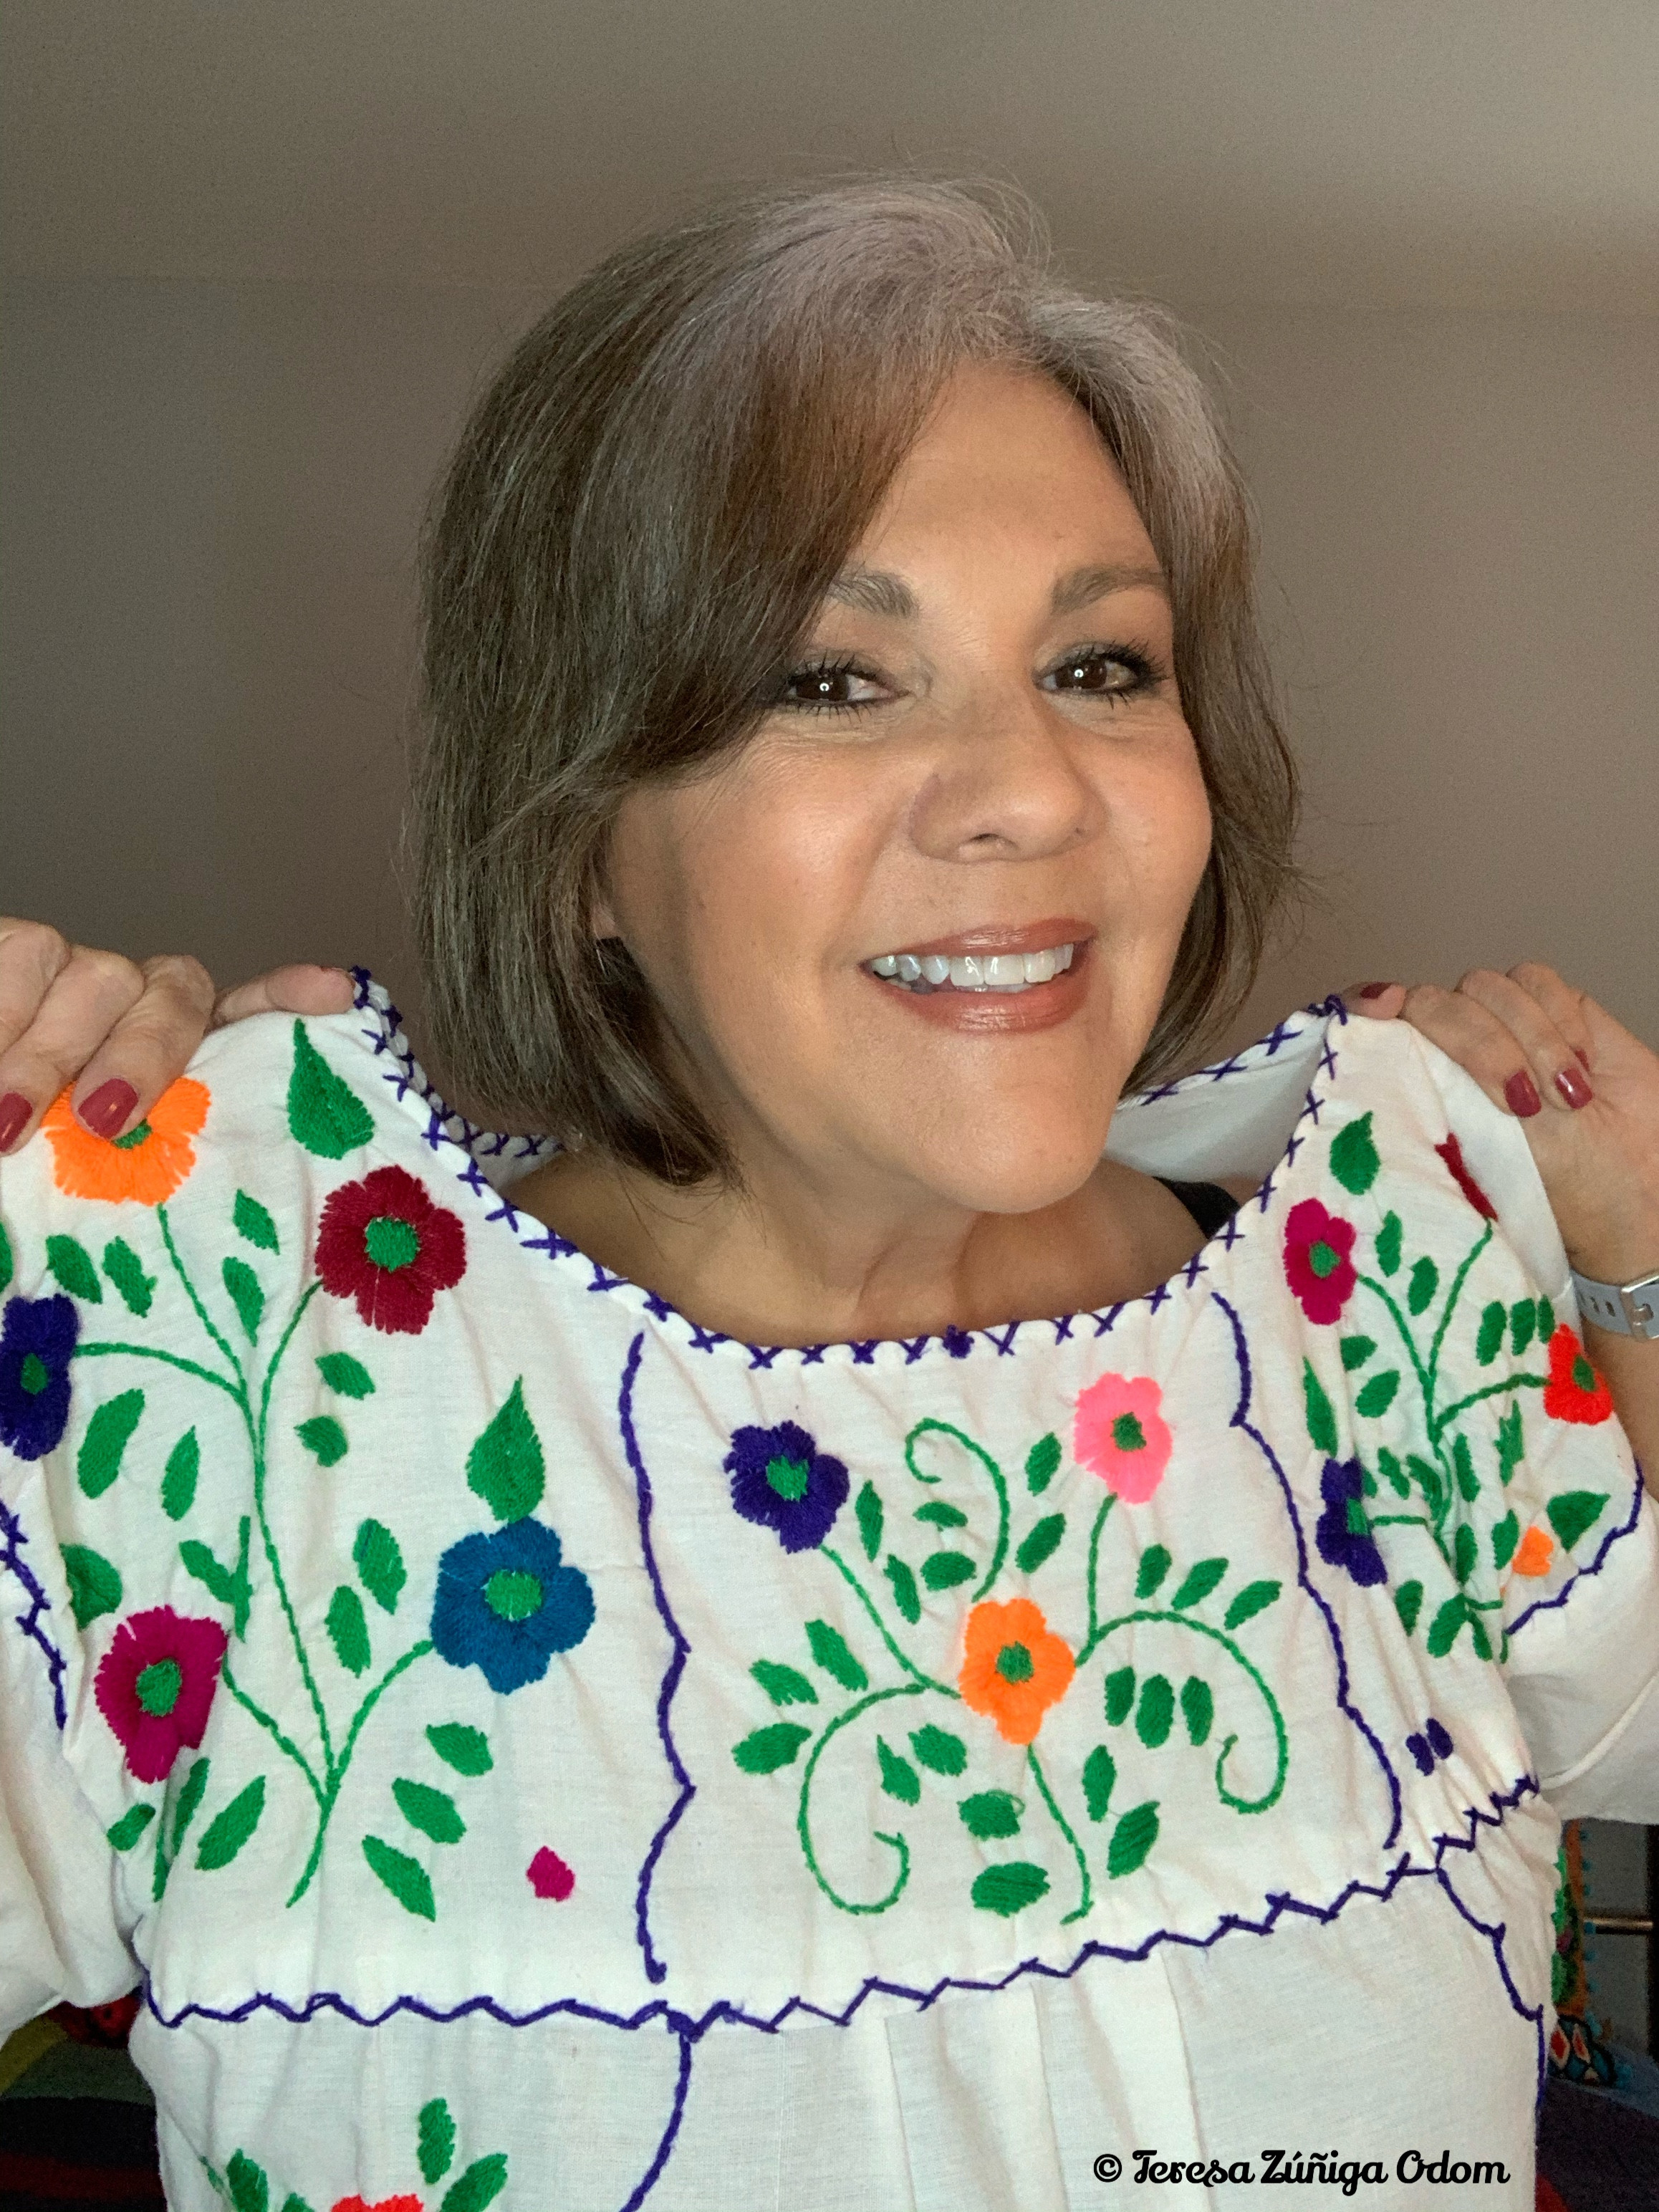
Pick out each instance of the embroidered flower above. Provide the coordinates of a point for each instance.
(1536, 1550)
(1013, 1668)
(1452, 1153)
(385, 2204)
(548, 1876)
(148, 1164)
(1575, 1392)
(1343, 1534)
(1435, 1742)
(36, 1340)
(155, 1684)
(1317, 1265)
(506, 1603)
(383, 1243)
(780, 1480)
(1119, 1434)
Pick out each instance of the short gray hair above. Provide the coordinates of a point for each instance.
(640, 523)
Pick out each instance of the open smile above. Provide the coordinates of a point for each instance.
(997, 978)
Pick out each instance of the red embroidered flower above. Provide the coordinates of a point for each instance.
(1316, 1263)
(385, 1243)
(1452, 1153)
(155, 1684)
(385, 2204)
(548, 1876)
(1575, 1392)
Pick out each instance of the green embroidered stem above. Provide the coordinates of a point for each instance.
(1093, 1637)
(258, 1713)
(1203, 1628)
(803, 1823)
(863, 1598)
(1491, 1390)
(1426, 1386)
(1452, 1297)
(170, 1359)
(1086, 1903)
(306, 1296)
(326, 1799)
(202, 1313)
(944, 1428)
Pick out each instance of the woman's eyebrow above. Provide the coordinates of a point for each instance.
(879, 592)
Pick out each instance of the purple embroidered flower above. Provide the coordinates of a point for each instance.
(1435, 1742)
(35, 1345)
(506, 1603)
(782, 1480)
(1343, 1534)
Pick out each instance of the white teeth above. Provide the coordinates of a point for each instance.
(935, 967)
(1040, 967)
(1063, 958)
(1006, 971)
(887, 964)
(975, 971)
(909, 968)
(966, 972)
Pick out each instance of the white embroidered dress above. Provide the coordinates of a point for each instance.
(532, 1750)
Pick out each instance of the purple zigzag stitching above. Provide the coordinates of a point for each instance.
(1547, 1604)
(1240, 1420)
(11, 1529)
(654, 1968)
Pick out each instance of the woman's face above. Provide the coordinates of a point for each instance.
(981, 757)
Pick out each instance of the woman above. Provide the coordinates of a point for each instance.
(656, 1670)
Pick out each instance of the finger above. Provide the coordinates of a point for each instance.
(1566, 1006)
(32, 958)
(1555, 1068)
(84, 1001)
(148, 1048)
(1471, 1034)
(1377, 1002)
(299, 990)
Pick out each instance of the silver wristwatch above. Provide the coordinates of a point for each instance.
(1627, 1308)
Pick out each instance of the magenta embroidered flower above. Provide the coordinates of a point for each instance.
(1343, 1534)
(155, 1684)
(548, 1876)
(1452, 1153)
(780, 1480)
(1119, 1433)
(1317, 1267)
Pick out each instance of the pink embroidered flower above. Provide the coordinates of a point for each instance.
(155, 1684)
(1119, 1433)
(1452, 1153)
(1317, 1267)
(548, 1876)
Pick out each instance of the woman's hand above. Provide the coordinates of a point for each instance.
(119, 1030)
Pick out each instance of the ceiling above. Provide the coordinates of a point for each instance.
(1496, 154)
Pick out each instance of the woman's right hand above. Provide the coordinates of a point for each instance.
(119, 1030)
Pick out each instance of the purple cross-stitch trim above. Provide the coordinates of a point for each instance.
(1549, 1604)
(11, 1529)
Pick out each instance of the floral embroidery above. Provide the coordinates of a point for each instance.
(1434, 1742)
(548, 1876)
(1343, 1534)
(1575, 1391)
(1452, 1154)
(148, 1164)
(782, 1482)
(1013, 1668)
(1537, 1550)
(1119, 1433)
(245, 2185)
(1317, 1263)
(384, 1242)
(506, 1603)
(155, 1684)
(37, 1342)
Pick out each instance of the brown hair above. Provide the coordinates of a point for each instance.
(641, 522)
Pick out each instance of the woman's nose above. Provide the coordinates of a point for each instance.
(1006, 784)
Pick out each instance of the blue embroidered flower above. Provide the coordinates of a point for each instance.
(1343, 1534)
(782, 1480)
(1435, 1742)
(35, 1344)
(506, 1604)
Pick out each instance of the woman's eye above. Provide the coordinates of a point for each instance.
(1109, 671)
(828, 684)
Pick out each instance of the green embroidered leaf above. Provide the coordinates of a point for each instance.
(75, 1274)
(245, 1294)
(828, 1648)
(1156, 1710)
(379, 1564)
(190, 1800)
(1512, 1451)
(1574, 1511)
(768, 1748)
(1099, 1780)
(406, 1879)
(869, 1512)
(249, 2190)
(938, 1750)
(324, 1438)
(125, 1270)
(323, 1114)
(1321, 1421)
(1134, 1837)
(431, 1811)
(898, 1778)
(253, 1222)
(5, 1257)
(1424, 1282)
(1427, 1479)
(1443, 1634)
(435, 2141)
(941, 1515)
(231, 1590)
(131, 1826)
(1042, 1462)
(178, 1477)
(465, 1749)
(1506, 1535)
(294, 2202)
(1469, 1482)
(346, 1375)
(1254, 1598)
(1377, 1395)
(1356, 1350)
(1367, 1482)
(991, 1813)
(1119, 1695)
(1154, 1565)
(1408, 1603)
(1197, 1707)
(1197, 1583)
(348, 1630)
(1477, 1630)
(1490, 1336)
(1009, 1889)
(94, 1585)
(944, 1570)
(227, 1832)
(782, 1684)
(1524, 1319)
(1040, 1542)
(1387, 1244)
(1546, 1321)
(108, 1432)
(1395, 1474)
(481, 2184)
(1464, 1553)
(1353, 1157)
(505, 1465)
(905, 1594)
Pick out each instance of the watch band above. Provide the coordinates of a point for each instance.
(1626, 1308)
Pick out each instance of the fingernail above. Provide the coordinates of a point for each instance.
(1521, 1093)
(1374, 990)
(1573, 1088)
(108, 1108)
(15, 1111)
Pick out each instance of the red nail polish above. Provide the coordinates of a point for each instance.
(1573, 1088)
(1521, 1093)
(15, 1111)
(1582, 1058)
(1374, 990)
(108, 1107)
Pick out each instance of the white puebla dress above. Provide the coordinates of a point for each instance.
(530, 1749)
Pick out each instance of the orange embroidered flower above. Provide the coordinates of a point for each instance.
(1013, 1669)
(1537, 1546)
(148, 1164)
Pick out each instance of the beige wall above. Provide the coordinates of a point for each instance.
(210, 498)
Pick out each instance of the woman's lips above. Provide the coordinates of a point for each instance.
(997, 1013)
